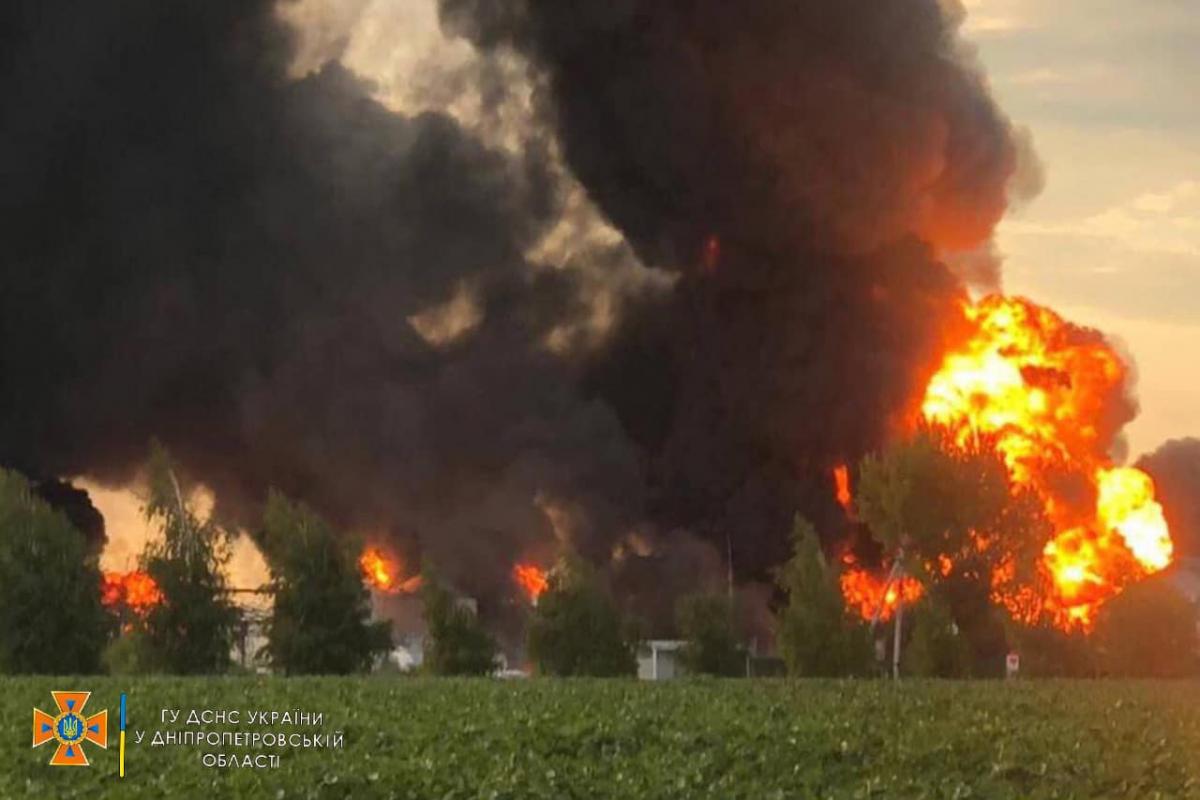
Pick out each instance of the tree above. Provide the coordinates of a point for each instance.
(456, 643)
(576, 629)
(817, 634)
(1148, 631)
(51, 619)
(191, 630)
(980, 621)
(931, 496)
(706, 622)
(934, 503)
(320, 623)
(936, 649)
(1049, 652)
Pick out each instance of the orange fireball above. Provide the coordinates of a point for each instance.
(532, 580)
(135, 590)
(383, 573)
(1052, 393)
(870, 595)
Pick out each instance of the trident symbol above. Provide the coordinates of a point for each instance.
(69, 727)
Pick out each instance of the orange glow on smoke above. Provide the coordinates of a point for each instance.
(135, 590)
(532, 580)
(869, 594)
(841, 482)
(710, 256)
(383, 573)
(1045, 389)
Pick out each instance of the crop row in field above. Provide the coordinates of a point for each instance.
(409, 738)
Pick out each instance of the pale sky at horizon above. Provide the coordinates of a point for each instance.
(1109, 91)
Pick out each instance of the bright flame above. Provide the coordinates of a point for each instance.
(841, 482)
(382, 572)
(135, 590)
(869, 594)
(1126, 503)
(1045, 389)
(532, 580)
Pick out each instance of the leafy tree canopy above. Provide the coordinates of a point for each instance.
(51, 619)
(1049, 652)
(706, 622)
(817, 635)
(456, 642)
(320, 622)
(191, 630)
(576, 629)
(1148, 631)
(950, 511)
(933, 497)
(937, 648)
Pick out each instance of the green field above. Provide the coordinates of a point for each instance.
(410, 738)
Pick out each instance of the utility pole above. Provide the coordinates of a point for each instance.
(729, 564)
(891, 581)
(729, 586)
(899, 626)
(895, 578)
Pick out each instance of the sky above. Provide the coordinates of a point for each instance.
(1109, 92)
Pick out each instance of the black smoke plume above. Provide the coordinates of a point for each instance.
(805, 166)
(76, 505)
(1175, 468)
(201, 249)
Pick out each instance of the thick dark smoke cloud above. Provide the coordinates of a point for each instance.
(199, 249)
(202, 250)
(77, 506)
(805, 165)
(1175, 467)
(843, 125)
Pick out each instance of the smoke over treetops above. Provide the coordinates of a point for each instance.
(291, 284)
(1175, 467)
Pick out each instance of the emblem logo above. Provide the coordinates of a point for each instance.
(70, 728)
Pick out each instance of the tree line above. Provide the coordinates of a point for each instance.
(52, 619)
(949, 515)
(920, 498)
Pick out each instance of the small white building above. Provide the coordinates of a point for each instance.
(658, 659)
(250, 640)
(408, 652)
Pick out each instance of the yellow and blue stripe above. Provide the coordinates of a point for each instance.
(122, 757)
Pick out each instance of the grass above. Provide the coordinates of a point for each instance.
(417, 738)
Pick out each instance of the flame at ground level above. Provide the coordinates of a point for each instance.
(1052, 394)
(135, 590)
(383, 573)
(532, 580)
(870, 595)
